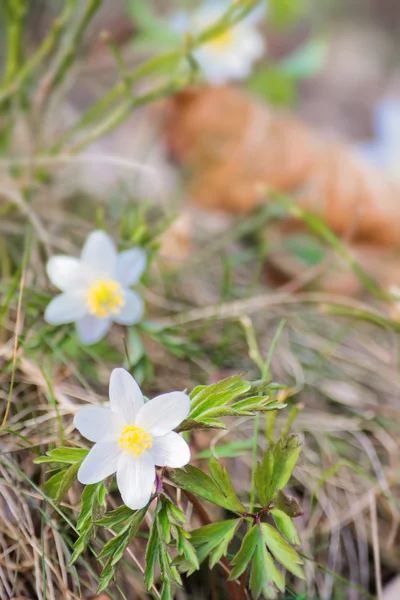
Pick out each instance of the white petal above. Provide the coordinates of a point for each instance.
(130, 266)
(101, 462)
(65, 272)
(99, 253)
(132, 311)
(126, 399)
(135, 479)
(96, 423)
(66, 308)
(163, 413)
(170, 450)
(91, 329)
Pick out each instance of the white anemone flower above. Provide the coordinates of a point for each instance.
(95, 287)
(229, 55)
(132, 438)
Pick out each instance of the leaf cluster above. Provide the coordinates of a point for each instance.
(231, 397)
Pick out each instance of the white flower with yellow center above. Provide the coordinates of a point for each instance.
(95, 287)
(132, 438)
(229, 55)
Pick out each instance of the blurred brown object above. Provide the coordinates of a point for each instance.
(175, 242)
(236, 148)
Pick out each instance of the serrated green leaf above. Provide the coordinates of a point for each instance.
(203, 393)
(186, 549)
(257, 573)
(192, 424)
(221, 478)
(217, 399)
(264, 575)
(288, 504)
(281, 550)
(174, 511)
(222, 548)
(285, 458)
(92, 505)
(152, 550)
(214, 531)
(117, 545)
(241, 560)
(87, 504)
(52, 485)
(63, 455)
(194, 480)
(263, 478)
(285, 526)
(115, 517)
(67, 481)
(214, 539)
(166, 592)
(106, 576)
(165, 525)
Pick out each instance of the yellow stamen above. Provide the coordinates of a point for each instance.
(135, 440)
(105, 298)
(223, 40)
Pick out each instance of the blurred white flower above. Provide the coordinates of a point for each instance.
(384, 150)
(132, 438)
(231, 54)
(95, 287)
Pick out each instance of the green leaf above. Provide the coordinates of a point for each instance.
(156, 29)
(105, 578)
(241, 560)
(273, 85)
(152, 550)
(174, 511)
(213, 399)
(115, 517)
(285, 458)
(52, 485)
(202, 395)
(214, 539)
(186, 549)
(288, 504)
(58, 485)
(256, 403)
(257, 573)
(263, 478)
(190, 424)
(63, 455)
(285, 526)
(264, 575)
(194, 480)
(221, 478)
(283, 553)
(283, 13)
(165, 524)
(93, 503)
(117, 545)
(214, 532)
(88, 498)
(166, 592)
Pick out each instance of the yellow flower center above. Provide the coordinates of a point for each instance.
(105, 298)
(135, 440)
(223, 40)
